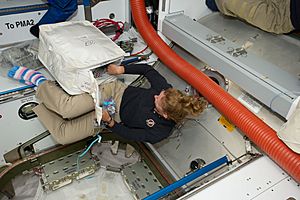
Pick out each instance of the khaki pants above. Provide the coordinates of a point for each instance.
(268, 15)
(71, 118)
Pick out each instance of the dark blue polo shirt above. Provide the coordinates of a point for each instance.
(139, 120)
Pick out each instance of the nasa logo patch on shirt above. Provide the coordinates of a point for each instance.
(150, 123)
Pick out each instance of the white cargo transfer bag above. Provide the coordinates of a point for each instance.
(72, 51)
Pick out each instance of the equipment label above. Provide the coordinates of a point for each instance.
(19, 24)
(27, 99)
(250, 103)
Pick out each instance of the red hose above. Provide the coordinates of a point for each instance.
(259, 132)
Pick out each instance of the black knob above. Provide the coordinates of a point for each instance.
(197, 164)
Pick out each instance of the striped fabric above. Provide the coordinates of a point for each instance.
(26, 76)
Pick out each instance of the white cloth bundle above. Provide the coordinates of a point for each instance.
(72, 50)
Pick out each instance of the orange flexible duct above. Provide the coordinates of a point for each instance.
(259, 132)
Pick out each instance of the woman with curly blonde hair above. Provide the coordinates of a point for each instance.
(178, 105)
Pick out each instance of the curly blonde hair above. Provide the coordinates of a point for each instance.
(178, 105)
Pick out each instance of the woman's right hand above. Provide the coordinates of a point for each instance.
(107, 118)
(114, 69)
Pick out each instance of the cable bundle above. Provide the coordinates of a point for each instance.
(101, 23)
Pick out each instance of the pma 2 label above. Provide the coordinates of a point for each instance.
(19, 24)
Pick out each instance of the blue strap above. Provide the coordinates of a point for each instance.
(187, 179)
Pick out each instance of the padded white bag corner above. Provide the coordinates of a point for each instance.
(70, 50)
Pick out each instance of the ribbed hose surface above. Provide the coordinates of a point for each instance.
(259, 132)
